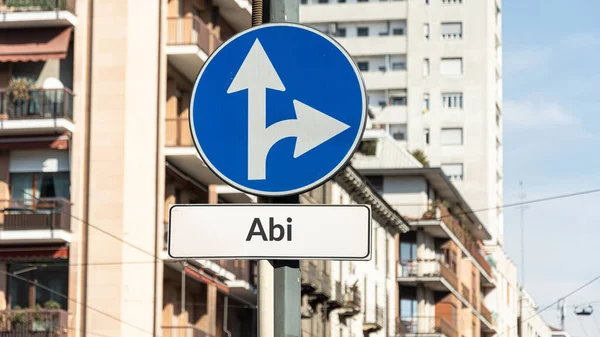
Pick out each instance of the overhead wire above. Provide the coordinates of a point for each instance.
(555, 302)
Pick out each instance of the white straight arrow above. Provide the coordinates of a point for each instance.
(311, 127)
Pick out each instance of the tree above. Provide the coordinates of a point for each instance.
(421, 157)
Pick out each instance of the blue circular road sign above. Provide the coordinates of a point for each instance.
(278, 109)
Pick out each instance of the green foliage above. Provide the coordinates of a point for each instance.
(51, 305)
(19, 88)
(368, 147)
(421, 157)
(18, 317)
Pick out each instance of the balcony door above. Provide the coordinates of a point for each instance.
(24, 294)
(29, 187)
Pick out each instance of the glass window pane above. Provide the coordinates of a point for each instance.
(21, 186)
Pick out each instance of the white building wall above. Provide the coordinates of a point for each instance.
(503, 300)
(479, 48)
(375, 278)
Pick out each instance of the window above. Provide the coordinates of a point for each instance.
(398, 65)
(426, 134)
(397, 97)
(408, 251)
(453, 171)
(452, 136)
(398, 131)
(303, 2)
(54, 276)
(425, 67)
(341, 1)
(426, 31)
(451, 66)
(452, 100)
(451, 30)
(341, 32)
(376, 182)
(323, 1)
(40, 185)
(363, 0)
(362, 31)
(381, 68)
(452, 2)
(398, 31)
(425, 103)
(363, 65)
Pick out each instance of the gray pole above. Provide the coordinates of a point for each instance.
(279, 281)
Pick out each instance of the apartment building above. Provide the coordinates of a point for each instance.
(530, 323)
(443, 278)
(353, 298)
(433, 74)
(504, 299)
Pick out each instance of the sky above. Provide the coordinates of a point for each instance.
(551, 107)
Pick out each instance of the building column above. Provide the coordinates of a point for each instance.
(211, 305)
(421, 252)
(213, 196)
(3, 287)
(421, 309)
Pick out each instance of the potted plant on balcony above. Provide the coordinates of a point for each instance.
(18, 319)
(18, 91)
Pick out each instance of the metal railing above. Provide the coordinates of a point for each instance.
(183, 331)
(352, 299)
(7, 6)
(39, 104)
(428, 268)
(309, 273)
(35, 214)
(240, 268)
(178, 132)
(33, 323)
(425, 325)
(485, 312)
(465, 292)
(375, 317)
(326, 284)
(454, 225)
(338, 292)
(191, 30)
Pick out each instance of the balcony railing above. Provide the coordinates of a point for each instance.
(425, 325)
(352, 301)
(240, 268)
(474, 299)
(7, 6)
(183, 331)
(325, 287)
(465, 292)
(178, 132)
(40, 104)
(338, 292)
(376, 318)
(33, 323)
(191, 30)
(454, 225)
(36, 214)
(485, 312)
(428, 268)
(308, 275)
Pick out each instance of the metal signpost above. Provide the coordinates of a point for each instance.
(276, 110)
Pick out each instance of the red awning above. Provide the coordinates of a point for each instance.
(34, 44)
(34, 253)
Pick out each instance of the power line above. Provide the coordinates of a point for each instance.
(555, 302)
(77, 302)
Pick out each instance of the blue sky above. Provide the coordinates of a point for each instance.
(551, 143)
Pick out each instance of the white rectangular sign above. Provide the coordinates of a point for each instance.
(281, 232)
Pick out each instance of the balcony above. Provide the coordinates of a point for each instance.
(433, 273)
(337, 300)
(352, 301)
(323, 289)
(374, 45)
(182, 154)
(308, 275)
(33, 323)
(40, 111)
(353, 12)
(183, 331)
(465, 292)
(382, 80)
(489, 323)
(374, 320)
(414, 325)
(189, 43)
(37, 13)
(45, 220)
